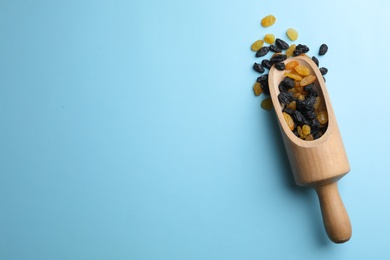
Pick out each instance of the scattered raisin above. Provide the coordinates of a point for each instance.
(281, 44)
(275, 48)
(292, 34)
(257, 89)
(268, 20)
(323, 49)
(323, 70)
(269, 38)
(266, 64)
(257, 45)
(257, 67)
(266, 103)
(315, 60)
(278, 58)
(262, 51)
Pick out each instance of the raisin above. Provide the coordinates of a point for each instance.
(288, 82)
(269, 38)
(292, 34)
(315, 61)
(278, 58)
(323, 49)
(290, 50)
(266, 103)
(306, 130)
(322, 117)
(308, 80)
(257, 45)
(289, 121)
(298, 117)
(323, 70)
(302, 70)
(262, 51)
(292, 105)
(293, 76)
(257, 67)
(300, 49)
(282, 87)
(257, 89)
(268, 20)
(280, 66)
(266, 64)
(291, 64)
(288, 110)
(274, 48)
(285, 97)
(281, 44)
(263, 80)
(309, 137)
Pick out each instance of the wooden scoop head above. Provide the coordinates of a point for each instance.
(318, 163)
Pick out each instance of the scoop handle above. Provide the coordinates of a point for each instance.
(334, 215)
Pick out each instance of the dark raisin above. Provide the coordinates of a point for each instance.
(281, 44)
(275, 48)
(310, 114)
(278, 58)
(298, 117)
(282, 87)
(262, 52)
(323, 70)
(257, 67)
(300, 49)
(315, 61)
(288, 82)
(280, 66)
(266, 64)
(315, 124)
(285, 97)
(323, 49)
(263, 80)
(309, 103)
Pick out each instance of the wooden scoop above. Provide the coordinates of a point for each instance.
(318, 163)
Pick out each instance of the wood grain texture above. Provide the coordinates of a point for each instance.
(319, 163)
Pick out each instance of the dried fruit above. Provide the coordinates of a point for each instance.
(257, 67)
(292, 34)
(275, 48)
(300, 49)
(302, 70)
(280, 66)
(257, 45)
(281, 44)
(308, 80)
(323, 70)
(322, 117)
(291, 64)
(306, 130)
(267, 103)
(323, 49)
(266, 64)
(315, 61)
(268, 20)
(257, 89)
(293, 76)
(262, 51)
(290, 50)
(289, 120)
(285, 97)
(278, 58)
(269, 38)
(292, 105)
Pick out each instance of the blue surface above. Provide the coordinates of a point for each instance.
(129, 130)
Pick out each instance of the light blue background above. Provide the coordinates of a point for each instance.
(129, 130)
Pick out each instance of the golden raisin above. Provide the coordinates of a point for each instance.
(290, 50)
(322, 117)
(291, 64)
(309, 137)
(292, 105)
(269, 38)
(317, 103)
(257, 45)
(289, 121)
(266, 103)
(293, 76)
(292, 34)
(268, 20)
(300, 133)
(308, 80)
(257, 89)
(306, 130)
(302, 70)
